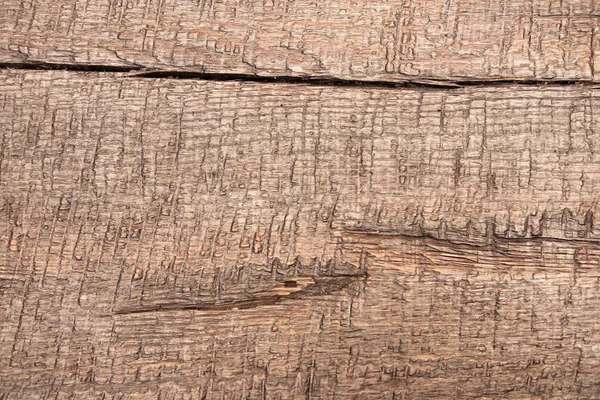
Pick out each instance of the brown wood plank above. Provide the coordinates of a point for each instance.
(414, 328)
(395, 40)
(165, 238)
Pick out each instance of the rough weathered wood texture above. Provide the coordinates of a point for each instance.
(208, 240)
(369, 40)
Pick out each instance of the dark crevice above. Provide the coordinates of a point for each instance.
(318, 286)
(312, 81)
(316, 81)
(477, 241)
(136, 71)
(69, 67)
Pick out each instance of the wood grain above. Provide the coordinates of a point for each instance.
(186, 239)
(394, 40)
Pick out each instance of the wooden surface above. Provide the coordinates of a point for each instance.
(191, 239)
(299, 199)
(393, 40)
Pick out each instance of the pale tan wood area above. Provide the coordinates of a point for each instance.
(183, 239)
(393, 40)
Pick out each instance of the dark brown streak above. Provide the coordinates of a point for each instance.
(138, 71)
(319, 286)
(490, 239)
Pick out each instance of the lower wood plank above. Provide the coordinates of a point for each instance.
(190, 239)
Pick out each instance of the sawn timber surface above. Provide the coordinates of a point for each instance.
(395, 40)
(167, 238)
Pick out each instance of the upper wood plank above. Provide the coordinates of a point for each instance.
(395, 40)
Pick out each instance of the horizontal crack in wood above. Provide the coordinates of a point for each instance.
(70, 67)
(482, 242)
(448, 83)
(293, 288)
